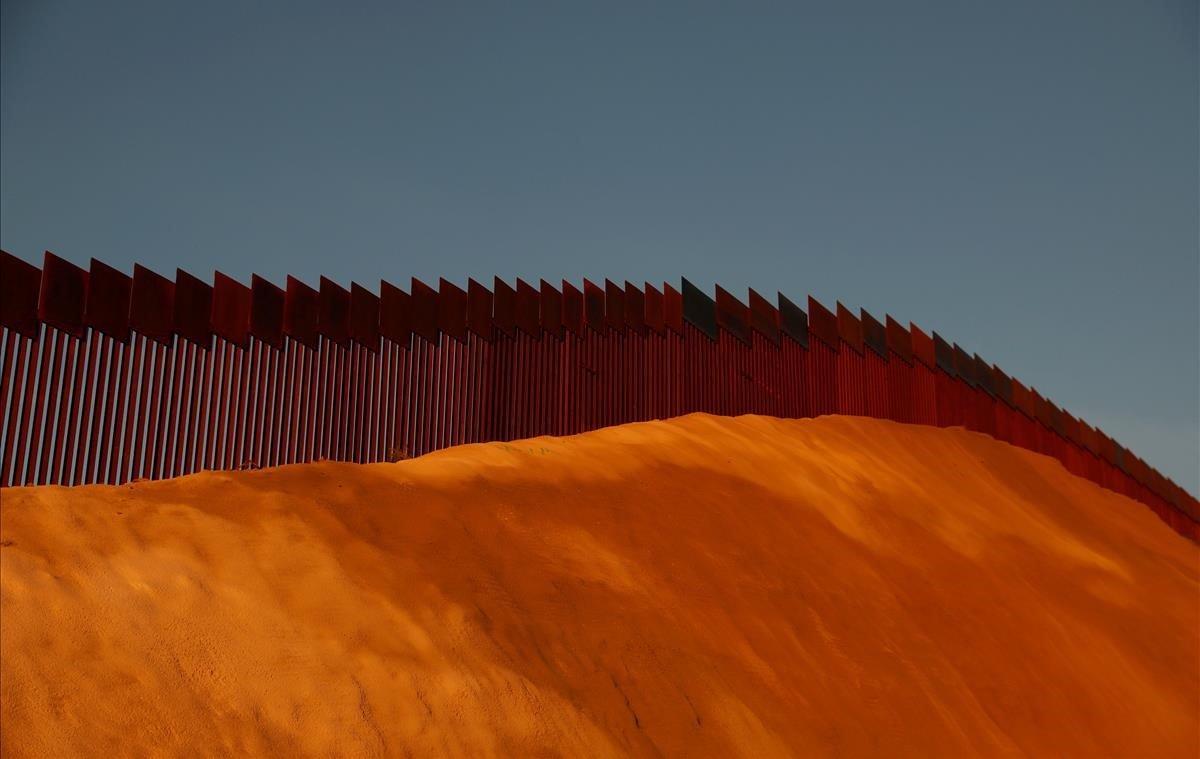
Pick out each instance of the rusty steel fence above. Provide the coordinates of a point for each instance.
(110, 377)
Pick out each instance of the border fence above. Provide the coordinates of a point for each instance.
(109, 378)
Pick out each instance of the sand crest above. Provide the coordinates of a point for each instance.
(703, 586)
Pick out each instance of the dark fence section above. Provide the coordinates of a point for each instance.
(108, 378)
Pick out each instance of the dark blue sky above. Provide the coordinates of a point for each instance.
(1021, 176)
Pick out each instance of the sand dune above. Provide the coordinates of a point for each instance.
(702, 586)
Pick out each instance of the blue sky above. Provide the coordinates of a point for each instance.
(1020, 176)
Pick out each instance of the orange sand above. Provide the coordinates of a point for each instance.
(703, 586)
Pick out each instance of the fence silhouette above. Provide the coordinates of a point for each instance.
(109, 378)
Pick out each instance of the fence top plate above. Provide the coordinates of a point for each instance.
(424, 301)
(267, 302)
(479, 310)
(572, 308)
(108, 294)
(964, 365)
(552, 309)
(672, 309)
(944, 355)
(874, 334)
(395, 314)
(528, 309)
(764, 317)
(899, 340)
(699, 310)
(301, 309)
(193, 309)
(364, 317)
(733, 316)
(593, 306)
(983, 375)
(923, 346)
(505, 307)
(635, 308)
(793, 321)
(152, 305)
(62, 302)
(1003, 386)
(655, 316)
(230, 310)
(20, 284)
(452, 310)
(823, 323)
(849, 328)
(614, 306)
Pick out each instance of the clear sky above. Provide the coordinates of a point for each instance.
(1021, 176)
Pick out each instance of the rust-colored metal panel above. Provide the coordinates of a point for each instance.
(193, 309)
(614, 306)
(572, 308)
(899, 340)
(266, 311)
(301, 312)
(593, 305)
(230, 310)
(1041, 409)
(62, 301)
(924, 347)
(424, 311)
(655, 315)
(982, 374)
(364, 317)
(333, 314)
(1023, 399)
(964, 365)
(1108, 448)
(764, 317)
(1121, 457)
(395, 314)
(479, 310)
(108, 294)
(1140, 470)
(874, 334)
(1070, 427)
(849, 328)
(1088, 437)
(944, 355)
(672, 309)
(152, 305)
(1002, 386)
(452, 310)
(1057, 421)
(552, 309)
(699, 310)
(505, 313)
(635, 308)
(20, 283)
(793, 322)
(528, 309)
(823, 323)
(732, 315)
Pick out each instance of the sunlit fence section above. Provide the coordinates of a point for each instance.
(110, 377)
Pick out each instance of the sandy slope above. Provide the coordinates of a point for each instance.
(701, 586)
